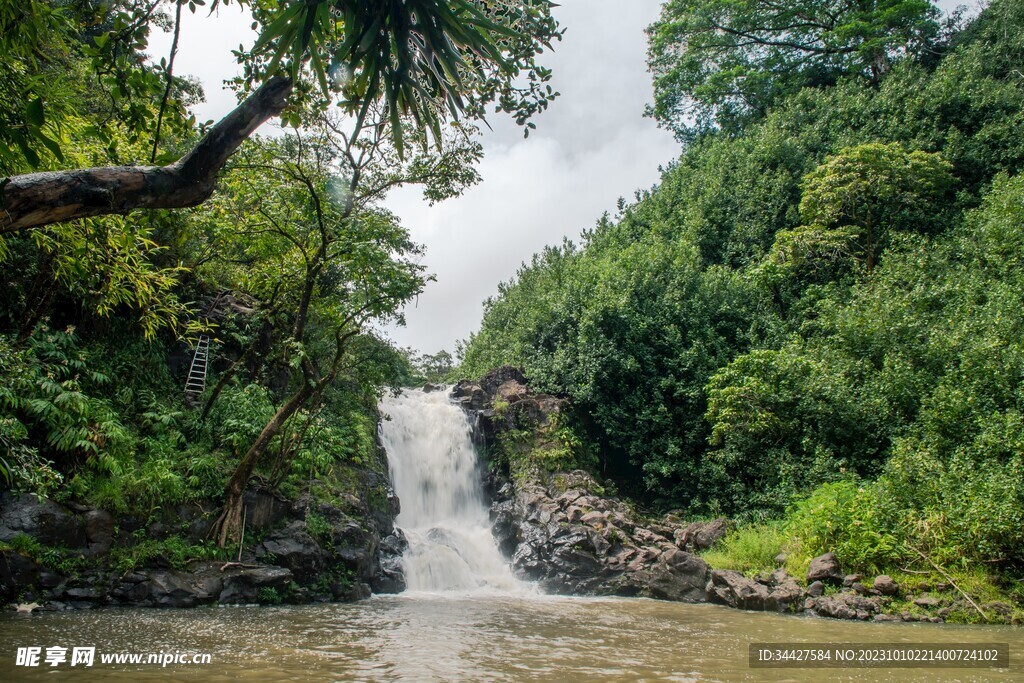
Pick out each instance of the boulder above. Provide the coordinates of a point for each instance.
(16, 572)
(42, 519)
(99, 532)
(293, 548)
(178, 589)
(825, 568)
(846, 605)
(779, 593)
(728, 587)
(243, 585)
(391, 577)
(885, 585)
(680, 576)
(701, 535)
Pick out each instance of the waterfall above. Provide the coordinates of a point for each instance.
(435, 474)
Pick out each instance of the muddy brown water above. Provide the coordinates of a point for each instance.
(468, 638)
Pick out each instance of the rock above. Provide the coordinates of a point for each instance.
(732, 588)
(701, 535)
(850, 579)
(885, 585)
(784, 589)
(825, 568)
(48, 579)
(42, 519)
(293, 548)
(860, 589)
(511, 391)
(834, 608)
(470, 396)
(885, 617)
(82, 593)
(429, 388)
(927, 602)
(131, 593)
(99, 532)
(845, 606)
(678, 576)
(178, 589)
(391, 577)
(16, 572)
(816, 589)
(495, 378)
(781, 558)
(243, 586)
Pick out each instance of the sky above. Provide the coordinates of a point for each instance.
(592, 146)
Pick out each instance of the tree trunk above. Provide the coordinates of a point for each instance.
(229, 525)
(38, 199)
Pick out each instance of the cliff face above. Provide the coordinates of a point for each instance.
(336, 545)
(556, 524)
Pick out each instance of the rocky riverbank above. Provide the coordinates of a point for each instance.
(558, 528)
(337, 545)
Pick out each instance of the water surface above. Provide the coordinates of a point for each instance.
(475, 637)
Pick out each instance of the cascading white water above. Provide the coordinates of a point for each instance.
(434, 471)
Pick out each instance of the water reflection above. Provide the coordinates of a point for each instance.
(471, 638)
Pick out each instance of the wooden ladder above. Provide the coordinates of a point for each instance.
(196, 383)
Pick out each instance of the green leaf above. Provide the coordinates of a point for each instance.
(35, 115)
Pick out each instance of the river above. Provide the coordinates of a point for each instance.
(465, 618)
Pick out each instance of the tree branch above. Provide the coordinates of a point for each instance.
(38, 199)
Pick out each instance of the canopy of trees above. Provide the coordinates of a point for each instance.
(722, 62)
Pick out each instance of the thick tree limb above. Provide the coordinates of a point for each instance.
(37, 199)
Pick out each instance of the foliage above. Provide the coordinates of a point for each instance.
(174, 550)
(721, 62)
(58, 559)
(848, 202)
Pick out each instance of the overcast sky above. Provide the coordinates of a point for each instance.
(591, 147)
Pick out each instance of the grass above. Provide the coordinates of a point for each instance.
(752, 549)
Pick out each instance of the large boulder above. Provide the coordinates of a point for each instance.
(847, 605)
(676, 575)
(99, 532)
(779, 593)
(181, 589)
(295, 549)
(42, 519)
(885, 585)
(825, 568)
(570, 540)
(246, 585)
(391, 577)
(701, 535)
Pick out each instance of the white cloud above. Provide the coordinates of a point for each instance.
(591, 147)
